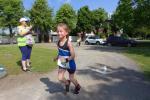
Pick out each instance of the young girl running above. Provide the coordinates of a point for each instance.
(65, 58)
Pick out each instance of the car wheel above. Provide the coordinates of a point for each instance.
(86, 42)
(97, 43)
(129, 44)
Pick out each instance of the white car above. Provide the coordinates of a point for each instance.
(94, 40)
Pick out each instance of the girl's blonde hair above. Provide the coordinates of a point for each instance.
(65, 27)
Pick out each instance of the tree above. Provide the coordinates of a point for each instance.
(84, 22)
(133, 16)
(66, 14)
(123, 16)
(98, 17)
(10, 13)
(142, 17)
(27, 13)
(41, 17)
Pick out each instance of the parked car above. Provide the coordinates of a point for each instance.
(94, 40)
(119, 41)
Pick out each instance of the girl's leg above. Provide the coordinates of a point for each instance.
(75, 82)
(72, 79)
(62, 79)
(79, 43)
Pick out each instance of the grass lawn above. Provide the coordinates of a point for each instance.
(141, 55)
(41, 59)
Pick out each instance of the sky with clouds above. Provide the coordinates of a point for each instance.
(108, 5)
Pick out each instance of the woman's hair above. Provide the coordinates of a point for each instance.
(65, 27)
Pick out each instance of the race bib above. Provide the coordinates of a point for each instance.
(63, 64)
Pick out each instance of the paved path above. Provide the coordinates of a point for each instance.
(123, 81)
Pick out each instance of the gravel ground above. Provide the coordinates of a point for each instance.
(122, 80)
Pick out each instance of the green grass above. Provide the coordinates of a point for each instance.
(41, 59)
(141, 55)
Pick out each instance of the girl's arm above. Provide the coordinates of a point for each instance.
(71, 51)
(56, 58)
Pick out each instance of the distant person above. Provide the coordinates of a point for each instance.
(65, 58)
(25, 42)
(79, 38)
(79, 41)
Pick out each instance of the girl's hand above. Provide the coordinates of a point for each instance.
(67, 60)
(62, 59)
(55, 59)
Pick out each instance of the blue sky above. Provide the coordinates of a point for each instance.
(108, 5)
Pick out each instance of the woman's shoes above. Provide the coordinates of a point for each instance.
(25, 70)
(28, 65)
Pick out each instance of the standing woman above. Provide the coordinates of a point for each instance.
(79, 39)
(24, 32)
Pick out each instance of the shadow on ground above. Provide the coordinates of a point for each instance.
(19, 63)
(105, 48)
(130, 50)
(52, 87)
(121, 84)
(142, 53)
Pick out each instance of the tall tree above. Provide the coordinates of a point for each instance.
(10, 13)
(84, 22)
(142, 17)
(66, 14)
(98, 17)
(41, 17)
(123, 17)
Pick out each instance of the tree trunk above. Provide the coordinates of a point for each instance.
(46, 38)
(40, 35)
(10, 34)
(46, 35)
(83, 36)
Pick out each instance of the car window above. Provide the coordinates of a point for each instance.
(120, 38)
(111, 36)
(117, 38)
(97, 37)
(91, 38)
